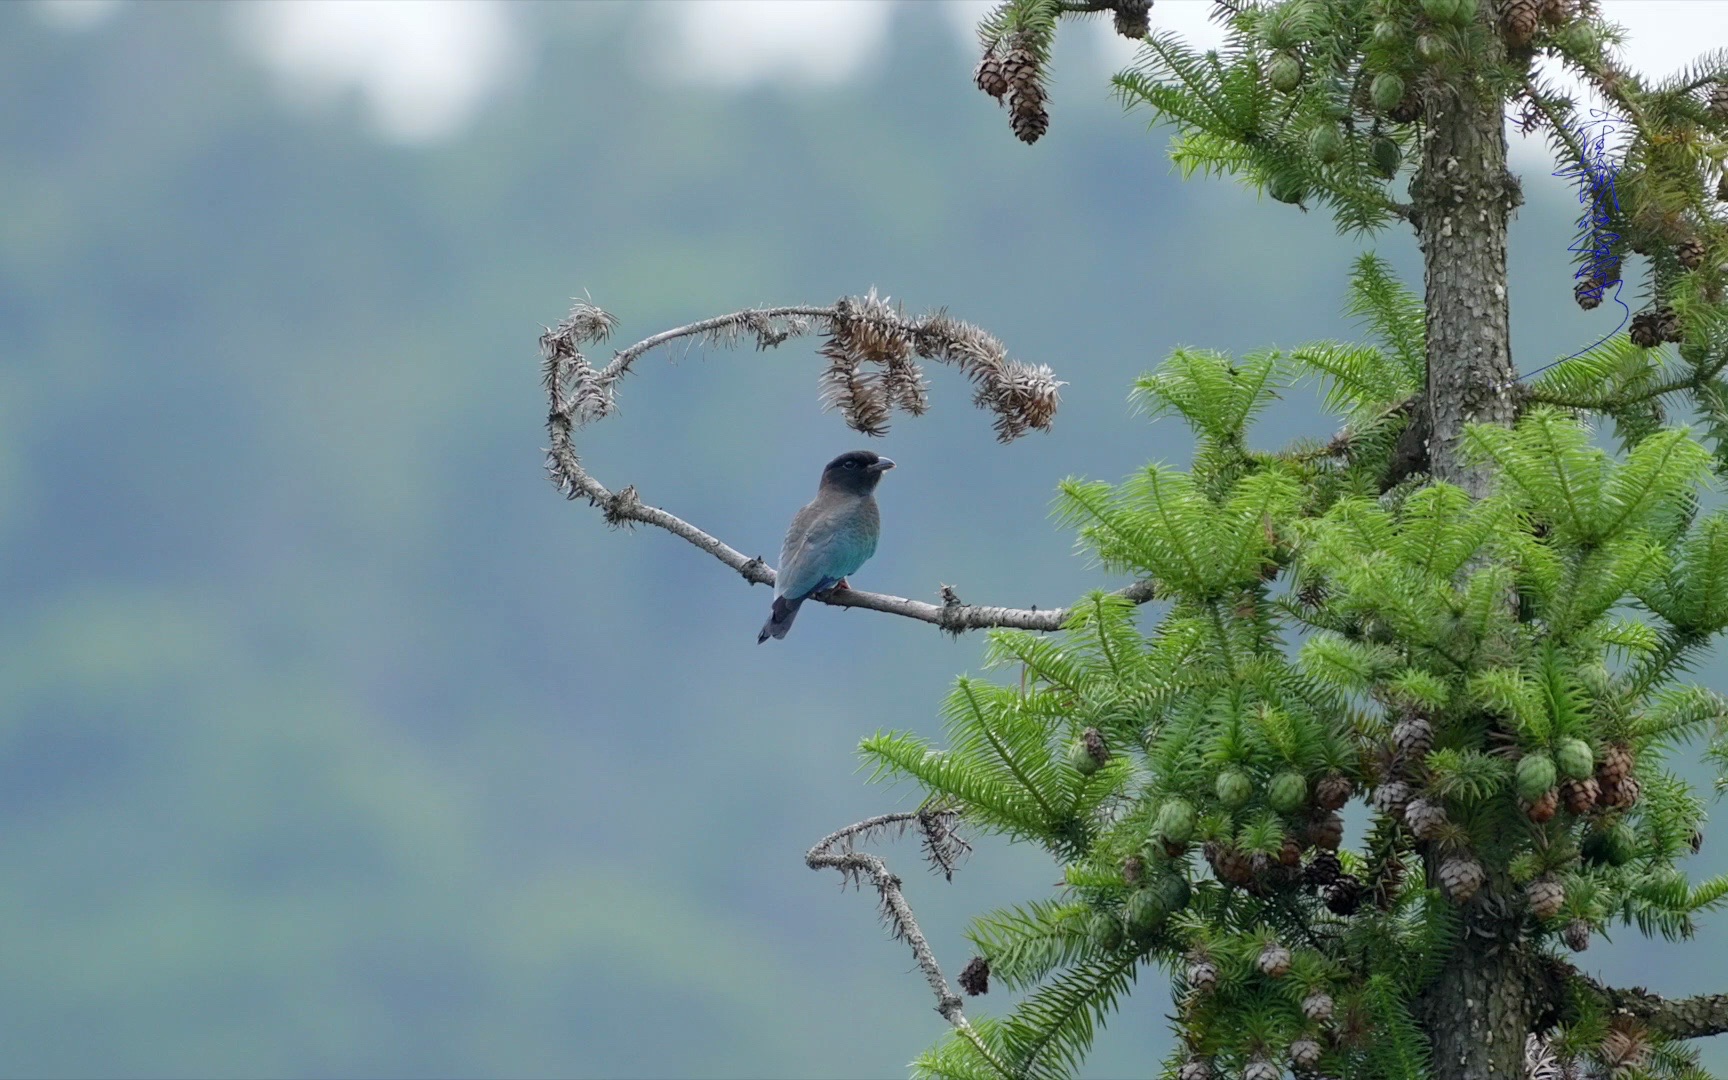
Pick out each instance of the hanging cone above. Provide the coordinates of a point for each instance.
(1519, 21)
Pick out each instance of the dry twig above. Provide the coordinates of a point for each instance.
(871, 348)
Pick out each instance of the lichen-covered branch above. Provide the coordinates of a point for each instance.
(1676, 1018)
(871, 348)
(942, 847)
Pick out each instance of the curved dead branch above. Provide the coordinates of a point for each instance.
(871, 348)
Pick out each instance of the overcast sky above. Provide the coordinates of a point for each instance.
(425, 69)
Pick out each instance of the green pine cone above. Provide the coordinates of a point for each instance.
(1326, 142)
(1536, 774)
(1287, 792)
(1285, 72)
(1577, 760)
(1286, 189)
(1234, 788)
(1387, 90)
(1386, 157)
(1081, 758)
(1176, 821)
(1145, 911)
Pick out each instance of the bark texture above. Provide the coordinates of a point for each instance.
(1482, 1005)
(1464, 198)
(1480, 1009)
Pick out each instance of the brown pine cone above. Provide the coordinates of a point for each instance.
(1645, 331)
(1543, 810)
(1344, 896)
(1690, 252)
(1318, 1006)
(1274, 961)
(1407, 111)
(1195, 1069)
(1461, 876)
(1305, 1053)
(1558, 12)
(1426, 818)
(1519, 21)
(1546, 897)
(1616, 764)
(1326, 831)
(975, 977)
(1577, 935)
(1028, 116)
(1391, 797)
(1229, 864)
(1621, 796)
(1133, 18)
(1413, 737)
(990, 77)
(1202, 975)
(1333, 791)
(1588, 293)
(1323, 869)
(1580, 795)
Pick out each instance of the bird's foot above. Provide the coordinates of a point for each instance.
(841, 584)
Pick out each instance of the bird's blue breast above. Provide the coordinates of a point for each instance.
(838, 541)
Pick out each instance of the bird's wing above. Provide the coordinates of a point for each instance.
(823, 545)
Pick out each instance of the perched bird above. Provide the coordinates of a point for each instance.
(830, 538)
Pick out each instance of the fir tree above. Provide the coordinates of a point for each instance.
(1459, 610)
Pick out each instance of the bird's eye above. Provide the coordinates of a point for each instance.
(851, 464)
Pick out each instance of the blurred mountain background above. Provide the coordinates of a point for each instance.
(334, 743)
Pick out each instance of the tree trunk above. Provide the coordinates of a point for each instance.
(1479, 1009)
(1464, 198)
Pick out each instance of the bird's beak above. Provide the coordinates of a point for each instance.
(882, 465)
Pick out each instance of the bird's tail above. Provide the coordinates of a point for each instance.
(780, 620)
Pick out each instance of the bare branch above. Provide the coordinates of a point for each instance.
(1676, 1018)
(937, 826)
(862, 333)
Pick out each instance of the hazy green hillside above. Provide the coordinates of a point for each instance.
(333, 743)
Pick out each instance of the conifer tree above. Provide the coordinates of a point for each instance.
(1459, 613)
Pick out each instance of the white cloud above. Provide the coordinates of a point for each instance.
(740, 42)
(422, 68)
(76, 14)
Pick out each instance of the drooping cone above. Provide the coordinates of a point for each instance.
(1690, 252)
(1305, 1053)
(1133, 18)
(1323, 869)
(1425, 817)
(975, 977)
(1546, 896)
(1668, 325)
(1327, 831)
(1519, 21)
(1229, 864)
(990, 77)
(1392, 797)
(1027, 114)
(1616, 764)
(1588, 293)
(1261, 1069)
(1646, 334)
(1195, 1069)
(1621, 796)
(1558, 12)
(1543, 810)
(1333, 791)
(1344, 896)
(1274, 960)
(1413, 737)
(1461, 876)
(1202, 975)
(1318, 1006)
(1577, 935)
(1580, 795)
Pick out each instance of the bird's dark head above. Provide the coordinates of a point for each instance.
(856, 471)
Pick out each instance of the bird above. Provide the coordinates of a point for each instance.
(830, 538)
